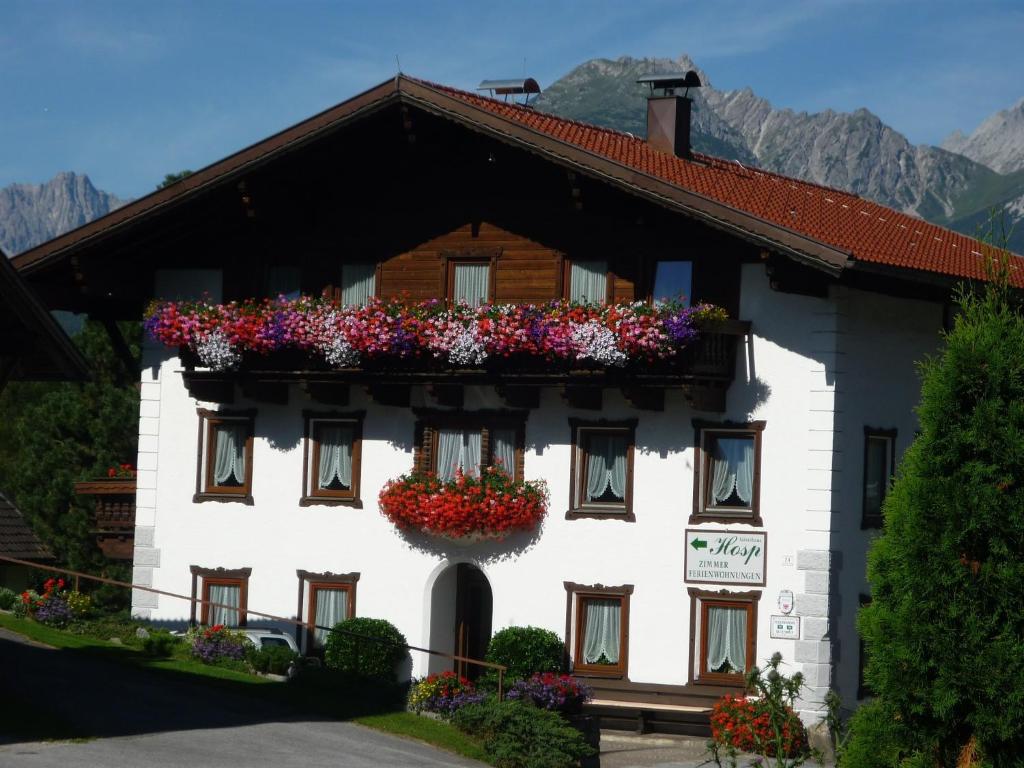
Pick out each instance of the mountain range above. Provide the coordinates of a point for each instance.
(956, 185)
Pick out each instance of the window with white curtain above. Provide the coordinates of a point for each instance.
(729, 472)
(329, 604)
(725, 636)
(467, 443)
(333, 450)
(600, 630)
(588, 281)
(602, 469)
(225, 454)
(879, 462)
(224, 602)
(470, 282)
(358, 283)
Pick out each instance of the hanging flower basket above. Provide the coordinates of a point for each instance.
(429, 334)
(465, 509)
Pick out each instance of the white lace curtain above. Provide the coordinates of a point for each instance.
(335, 442)
(224, 594)
(601, 631)
(229, 454)
(358, 282)
(458, 449)
(606, 466)
(503, 450)
(732, 469)
(472, 283)
(727, 639)
(588, 282)
(331, 607)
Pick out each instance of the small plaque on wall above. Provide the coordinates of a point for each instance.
(785, 628)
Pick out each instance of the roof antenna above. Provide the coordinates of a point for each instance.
(398, 64)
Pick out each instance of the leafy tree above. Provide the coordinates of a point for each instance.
(945, 629)
(173, 178)
(54, 434)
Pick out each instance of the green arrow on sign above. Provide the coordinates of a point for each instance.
(699, 544)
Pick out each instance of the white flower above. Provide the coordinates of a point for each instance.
(463, 346)
(594, 341)
(216, 352)
(339, 353)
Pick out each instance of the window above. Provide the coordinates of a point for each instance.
(224, 595)
(722, 636)
(727, 466)
(284, 281)
(470, 282)
(332, 598)
(597, 629)
(224, 463)
(673, 281)
(449, 442)
(879, 467)
(333, 451)
(601, 467)
(358, 282)
(588, 281)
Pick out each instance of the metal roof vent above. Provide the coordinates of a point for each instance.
(669, 83)
(511, 88)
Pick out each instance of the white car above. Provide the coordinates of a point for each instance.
(270, 638)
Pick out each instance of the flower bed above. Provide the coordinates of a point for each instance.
(746, 725)
(213, 644)
(56, 606)
(548, 690)
(461, 336)
(491, 506)
(443, 694)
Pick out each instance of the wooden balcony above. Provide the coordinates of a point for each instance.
(703, 372)
(114, 514)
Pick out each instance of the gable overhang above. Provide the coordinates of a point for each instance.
(403, 90)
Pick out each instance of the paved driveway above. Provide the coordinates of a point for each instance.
(142, 718)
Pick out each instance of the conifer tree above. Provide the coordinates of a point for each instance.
(945, 630)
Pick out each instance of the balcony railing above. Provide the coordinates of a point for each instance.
(114, 514)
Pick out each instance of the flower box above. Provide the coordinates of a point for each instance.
(465, 509)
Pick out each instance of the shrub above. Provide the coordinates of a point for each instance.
(765, 724)
(7, 598)
(80, 604)
(275, 660)
(159, 643)
(108, 628)
(547, 690)
(525, 651)
(516, 734)
(443, 693)
(350, 648)
(212, 645)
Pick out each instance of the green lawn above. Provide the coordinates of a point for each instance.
(322, 693)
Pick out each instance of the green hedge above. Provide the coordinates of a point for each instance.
(516, 734)
(348, 650)
(525, 651)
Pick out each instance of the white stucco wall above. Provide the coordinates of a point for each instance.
(787, 375)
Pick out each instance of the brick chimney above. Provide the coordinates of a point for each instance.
(669, 113)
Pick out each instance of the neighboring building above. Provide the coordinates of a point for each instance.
(33, 347)
(782, 427)
(18, 541)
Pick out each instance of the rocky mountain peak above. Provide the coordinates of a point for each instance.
(998, 142)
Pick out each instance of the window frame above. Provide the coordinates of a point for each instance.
(451, 259)
(889, 435)
(340, 290)
(576, 597)
(313, 495)
(704, 513)
(205, 489)
(578, 509)
(204, 578)
(312, 582)
(700, 601)
(431, 421)
(567, 263)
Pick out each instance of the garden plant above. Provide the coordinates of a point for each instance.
(366, 648)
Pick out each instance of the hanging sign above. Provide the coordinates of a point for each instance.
(786, 601)
(785, 628)
(725, 557)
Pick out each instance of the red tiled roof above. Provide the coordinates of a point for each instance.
(871, 232)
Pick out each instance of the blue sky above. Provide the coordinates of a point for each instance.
(127, 91)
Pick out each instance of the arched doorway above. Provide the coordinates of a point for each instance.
(460, 618)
